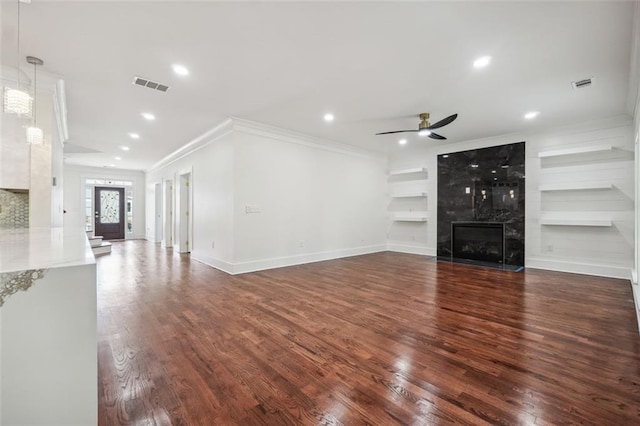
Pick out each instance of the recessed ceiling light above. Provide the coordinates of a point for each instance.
(180, 69)
(148, 116)
(125, 148)
(445, 156)
(402, 141)
(118, 158)
(112, 165)
(493, 171)
(531, 115)
(134, 136)
(482, 62)
(329, 117)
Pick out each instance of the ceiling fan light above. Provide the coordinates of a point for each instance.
(16, 101)
(35, 135)
(424, 132)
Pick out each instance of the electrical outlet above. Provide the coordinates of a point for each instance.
(213, 245)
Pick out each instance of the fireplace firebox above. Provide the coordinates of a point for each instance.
(478, 241)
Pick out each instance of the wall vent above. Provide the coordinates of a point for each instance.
(145, 82)
(581, 84)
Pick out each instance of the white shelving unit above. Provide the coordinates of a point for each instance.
(410, 217)
(574, 151)
(407, 171)
(574, 186)
(593, 222)
(416, 194)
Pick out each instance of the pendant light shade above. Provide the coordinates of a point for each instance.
(16, 101)
(35, 135)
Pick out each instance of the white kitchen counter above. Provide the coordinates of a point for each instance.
(43, 248)
(48, 328)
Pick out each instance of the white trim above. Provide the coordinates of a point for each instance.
(60, 110)
(284, 135)
(400, 247)
(213, 262)
(199, 142)
(635, 289)
(609, 271)
(250, 127)
(279, 262)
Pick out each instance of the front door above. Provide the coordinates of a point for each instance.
(109, 213)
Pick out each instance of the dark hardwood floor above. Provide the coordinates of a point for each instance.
(382, 339)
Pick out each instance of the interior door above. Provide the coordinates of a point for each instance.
(109, 213)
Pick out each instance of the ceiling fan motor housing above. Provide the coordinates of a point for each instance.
(424, 120)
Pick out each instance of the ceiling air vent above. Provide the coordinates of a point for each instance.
(150, 84)
(581, 84)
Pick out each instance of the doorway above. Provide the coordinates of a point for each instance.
(184, 215)
(158, 213)
(167, 214)
(109, 213)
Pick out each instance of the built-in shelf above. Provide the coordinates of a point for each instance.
(410, 217)
(573, 151)
(574, 186)
(576, 222)
(407, 171)
(409, 195)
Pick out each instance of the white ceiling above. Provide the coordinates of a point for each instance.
(374, 65)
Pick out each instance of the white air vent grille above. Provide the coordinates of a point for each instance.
(150, 84)
(581, 84)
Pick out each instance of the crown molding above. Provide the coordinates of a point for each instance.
(199, 142)
(265, 130)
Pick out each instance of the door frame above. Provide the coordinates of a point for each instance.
(167, 213)
(184, 217)
(158, 213)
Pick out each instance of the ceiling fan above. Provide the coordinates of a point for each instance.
(424, 128)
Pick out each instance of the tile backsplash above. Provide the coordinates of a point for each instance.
(14, 209)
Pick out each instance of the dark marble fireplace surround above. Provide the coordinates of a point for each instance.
(481, 194)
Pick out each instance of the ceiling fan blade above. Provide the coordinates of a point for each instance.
(436, 136)
(395, 131)
(443, 122)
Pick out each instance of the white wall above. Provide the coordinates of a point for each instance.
(212, 180)
(601, 251)
(74, 195)
(309, 199)
(306, 201)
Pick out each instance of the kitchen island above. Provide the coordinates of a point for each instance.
(48, 327)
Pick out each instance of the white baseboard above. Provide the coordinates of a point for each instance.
(410, 249)
(213, 262)
(636, 298)
(279, 262)
(608, 271)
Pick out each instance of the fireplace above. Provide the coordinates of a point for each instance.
(478, 241)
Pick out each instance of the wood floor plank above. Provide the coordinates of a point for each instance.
(385, 339)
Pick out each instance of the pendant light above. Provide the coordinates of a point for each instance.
(35, 135)
(17, 101)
